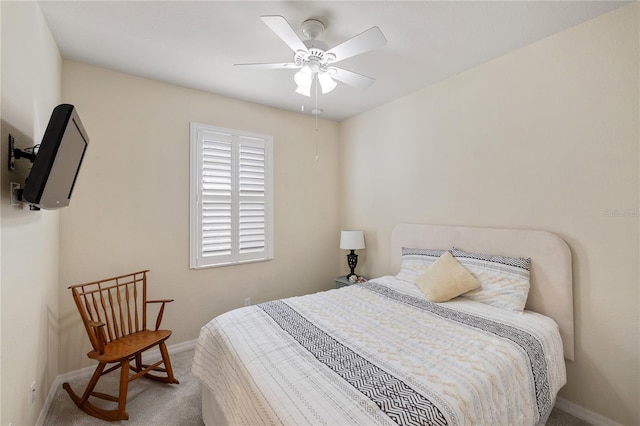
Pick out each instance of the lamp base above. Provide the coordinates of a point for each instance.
(352, 261)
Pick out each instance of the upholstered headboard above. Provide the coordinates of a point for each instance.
(551, 292)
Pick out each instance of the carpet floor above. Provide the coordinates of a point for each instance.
(148, 402)
(151, 403)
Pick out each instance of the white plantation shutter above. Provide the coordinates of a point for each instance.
(231, 196)
(216, 195)
(251, 192)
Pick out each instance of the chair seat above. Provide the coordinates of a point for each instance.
(127, 346)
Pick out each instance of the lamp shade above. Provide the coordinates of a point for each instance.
(326, 82)
(306, 91)
(304, 77)
(351, 240)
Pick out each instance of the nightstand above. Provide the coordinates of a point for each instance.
(343, 281)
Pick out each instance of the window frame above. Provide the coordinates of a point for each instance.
(196, 258)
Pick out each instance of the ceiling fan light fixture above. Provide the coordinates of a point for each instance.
(304, 77)
(305, 91)
(326, 82)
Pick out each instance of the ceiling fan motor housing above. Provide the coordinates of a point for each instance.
(314, 52)
(312, 28)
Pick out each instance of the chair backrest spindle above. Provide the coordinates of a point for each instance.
(128, 302)
(135, 306)
(144, 305)
(95, 307)
(123, 329)
(114, 318)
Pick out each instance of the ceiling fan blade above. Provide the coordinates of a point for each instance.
(363, 42)
(353, 79)
(272, 66)
(281, 27)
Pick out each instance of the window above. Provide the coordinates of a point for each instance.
(231, 196)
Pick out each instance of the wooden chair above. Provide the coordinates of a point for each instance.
(114, 313)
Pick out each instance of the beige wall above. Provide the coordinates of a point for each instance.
(31, 78)
(544, 138)
(130, 209)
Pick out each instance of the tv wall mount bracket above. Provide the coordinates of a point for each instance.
(16, 153)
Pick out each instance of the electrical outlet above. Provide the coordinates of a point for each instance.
(32, 392)
(247, 301)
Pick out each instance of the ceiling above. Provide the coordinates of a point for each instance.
(195, 44)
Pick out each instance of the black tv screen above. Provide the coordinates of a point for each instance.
(55, 168)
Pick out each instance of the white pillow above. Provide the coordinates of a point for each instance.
(504, 280)
(445, 279)
(414, 260)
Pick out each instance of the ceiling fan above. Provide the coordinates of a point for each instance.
(313, 57)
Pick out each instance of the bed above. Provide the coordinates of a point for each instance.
(380, 353)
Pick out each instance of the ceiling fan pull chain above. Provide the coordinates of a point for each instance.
(317, 112)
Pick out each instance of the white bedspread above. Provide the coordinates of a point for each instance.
(380, 354)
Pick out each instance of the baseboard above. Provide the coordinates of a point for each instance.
(583, 414)
(86, 372)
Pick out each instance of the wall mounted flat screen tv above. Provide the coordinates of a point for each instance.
(57, 163)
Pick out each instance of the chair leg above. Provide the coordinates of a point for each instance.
(168, 376)
(124, 386)
(167, 363)
(87, 392)
(85, 405)
(138, 362)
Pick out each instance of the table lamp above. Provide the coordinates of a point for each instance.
(352, 240)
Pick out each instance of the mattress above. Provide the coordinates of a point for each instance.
(379, 353)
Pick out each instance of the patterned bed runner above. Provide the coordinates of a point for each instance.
(395, 398)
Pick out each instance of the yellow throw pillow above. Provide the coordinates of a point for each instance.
(445, 279)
